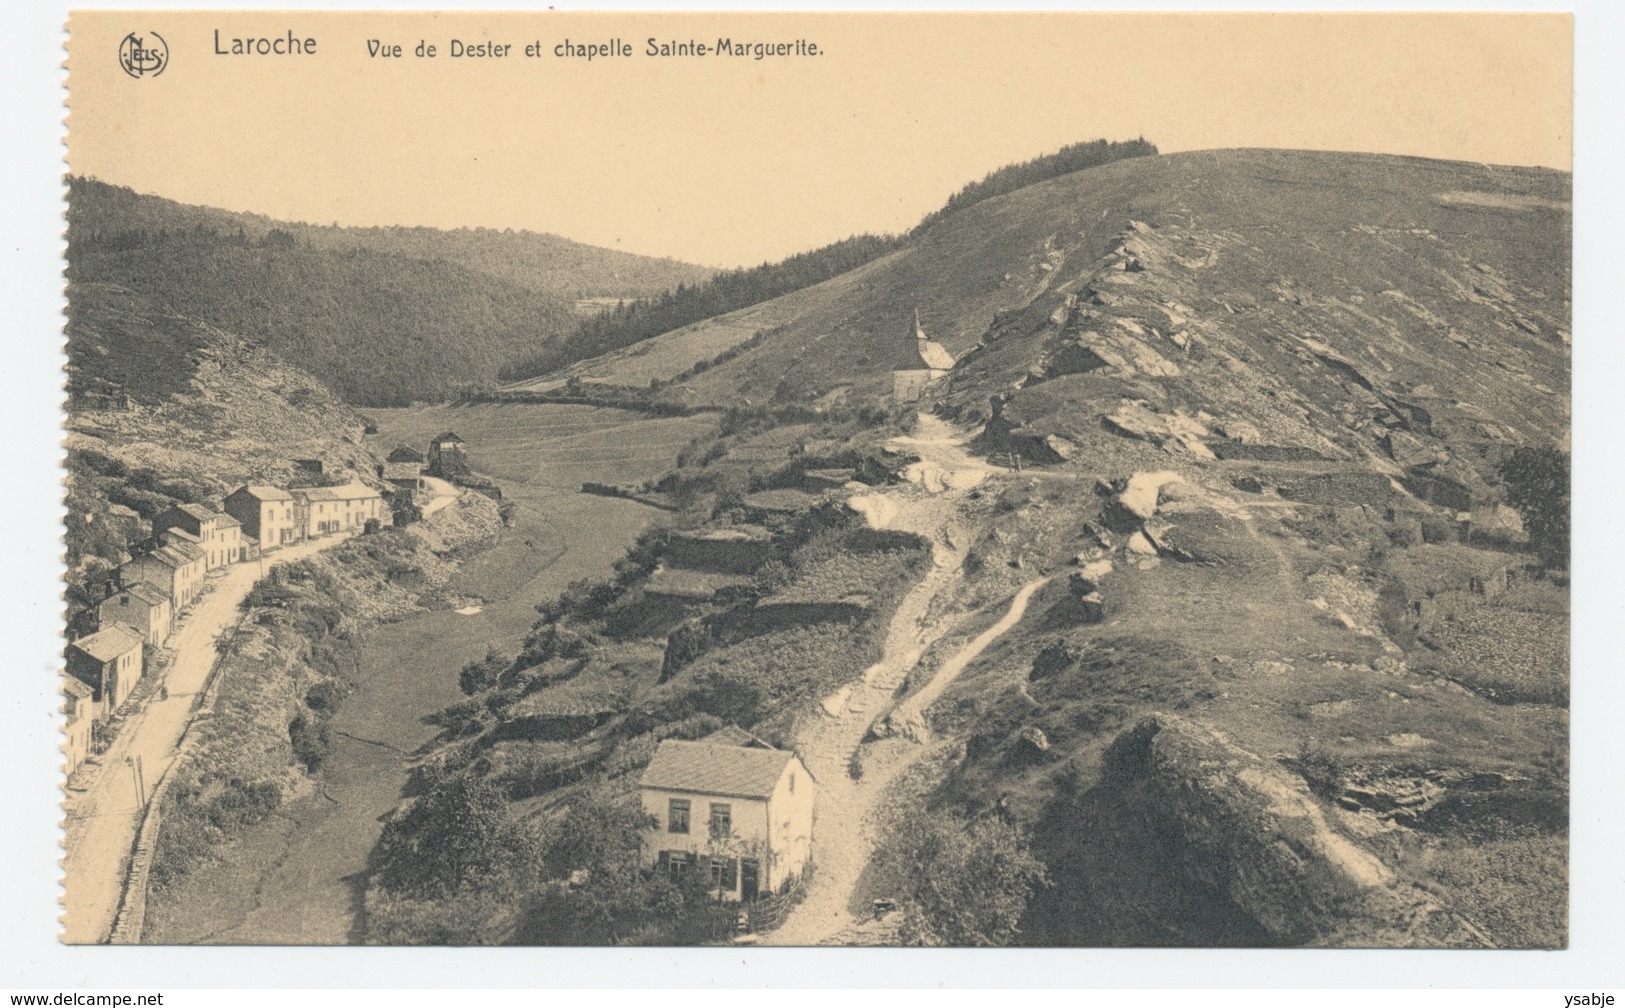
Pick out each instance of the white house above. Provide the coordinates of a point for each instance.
(743, 813)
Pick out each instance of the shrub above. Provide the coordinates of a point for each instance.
(455, 835)
(310, 739)
(481, 675)
(1537, 481)
(325, 696)
(966, 882)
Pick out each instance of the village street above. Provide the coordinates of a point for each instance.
(101, 822)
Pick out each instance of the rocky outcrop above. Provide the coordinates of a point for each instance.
(1249, 830)
(1007, 430)
(1173, 432)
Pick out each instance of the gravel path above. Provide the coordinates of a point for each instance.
(835, 907)
(444, 494)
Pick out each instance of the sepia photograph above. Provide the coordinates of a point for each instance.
(1041, 480)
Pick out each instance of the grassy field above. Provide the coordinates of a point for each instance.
(535, 449)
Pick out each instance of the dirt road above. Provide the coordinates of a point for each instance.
(832, 911)
(101, 821)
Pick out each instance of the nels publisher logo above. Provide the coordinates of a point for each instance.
(143, 55)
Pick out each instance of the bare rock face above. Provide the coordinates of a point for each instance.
(1252, 831)
(1173, 432)
(1143, 491)
(1033, 738)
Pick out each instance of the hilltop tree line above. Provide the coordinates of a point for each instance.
(391, 316)
(1072, 158)
(559, 268)
(635, 321)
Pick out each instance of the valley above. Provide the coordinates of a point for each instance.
(1167, 553)
(303, 866)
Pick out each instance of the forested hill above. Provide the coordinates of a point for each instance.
(633, 322)
(383, 315)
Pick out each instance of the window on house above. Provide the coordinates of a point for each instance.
(677, 815)
(675, 861)
(792, 782)
(721, 819)
(725, 874)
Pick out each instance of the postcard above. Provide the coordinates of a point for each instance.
(863, 479)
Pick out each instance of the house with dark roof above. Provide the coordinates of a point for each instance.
(109, 662)
(267, 513)
(218, 535)
(403, 467)
(743, 813)
(140, 606)
(175, 569)
(446, 458)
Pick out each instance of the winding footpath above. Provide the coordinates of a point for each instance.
(865, 740)
(103, 814)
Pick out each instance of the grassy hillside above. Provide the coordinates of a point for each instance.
(1292, 671)
(382, 315)
(1336, 244)
(630, 324)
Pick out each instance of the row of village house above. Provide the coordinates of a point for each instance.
(167, 574)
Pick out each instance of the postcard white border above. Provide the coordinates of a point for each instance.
(31, 959)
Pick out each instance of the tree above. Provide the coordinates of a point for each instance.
(456, 835)
(966, 882)
(612, 896)
(1537, 482)
(478, 676)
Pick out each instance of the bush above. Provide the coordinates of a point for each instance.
(966, 882)
(481, 675)
(325, 696)
(456, 835)
(1537, 481)
(310, 739)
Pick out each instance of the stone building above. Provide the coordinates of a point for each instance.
(140, 606)
(919, 363)
(175, 570)
(218, 535)
(447, 459)
(109, 661)
(267, 513)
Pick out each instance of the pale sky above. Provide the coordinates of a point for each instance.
(730, 161)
